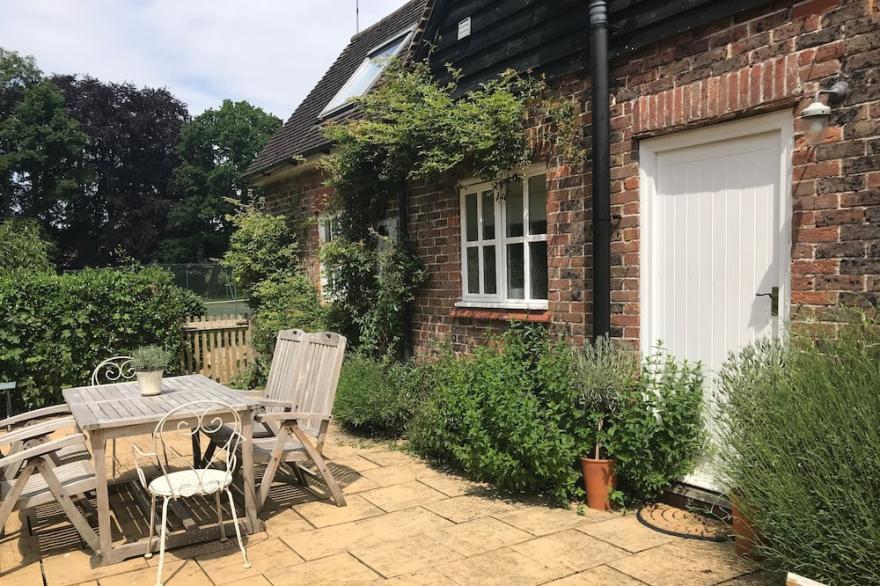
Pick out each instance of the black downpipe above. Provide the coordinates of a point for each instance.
(601, 154)
(403, 240)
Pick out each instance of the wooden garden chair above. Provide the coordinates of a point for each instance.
(298, 403)
(58, 417)
(40, 476)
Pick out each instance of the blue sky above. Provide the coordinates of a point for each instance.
(268, 52)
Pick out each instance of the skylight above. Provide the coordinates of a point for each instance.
(366, 75)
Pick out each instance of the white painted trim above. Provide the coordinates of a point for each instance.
(781, 122)
(538, 304)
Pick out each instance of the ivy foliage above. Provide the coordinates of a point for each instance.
(411, 128)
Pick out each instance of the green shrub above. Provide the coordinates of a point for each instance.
(54, 329)
(285, 301)
(22, 248)
(508, 414)
(380, 398)
(800, 449)
(657, 432)
(261, 247)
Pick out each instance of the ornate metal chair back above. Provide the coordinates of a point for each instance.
(113, 370)
(175, 432)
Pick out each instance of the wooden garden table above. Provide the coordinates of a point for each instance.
(112, 411)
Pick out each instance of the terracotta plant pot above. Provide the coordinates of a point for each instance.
(599, 481)
(743, 532)
(150, 382)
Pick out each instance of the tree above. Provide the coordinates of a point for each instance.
(216, 147)
(17, 74)
(130, 157)
(22, 247)
(40, 148)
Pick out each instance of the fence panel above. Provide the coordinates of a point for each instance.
(217, 346)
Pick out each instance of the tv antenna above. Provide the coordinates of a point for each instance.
(357, 16)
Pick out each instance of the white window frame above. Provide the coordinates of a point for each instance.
(404, 34)
(323, 221)
(500, 299)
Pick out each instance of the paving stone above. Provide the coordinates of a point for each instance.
(685, 563)
(628, 533)
(325, 513)
(368, 532)
(176, 574)
(401, 496)
(286, 522)
(541, 520)
(452, 485)
(227, 566)
(502, 567)
(404, 556)
(570, 551)
(422, 578)
(479, 536)
(209, 548)
(359, 484)
(465, 508)
(600, 576)
(355, 462)
(759, 578)
(391, 475)
(74, 567)
(254, 581)
(391, 458)
(338, 569)
(24, 575)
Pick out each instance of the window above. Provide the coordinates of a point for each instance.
(504, 244)
(327, 231)
(366, 75)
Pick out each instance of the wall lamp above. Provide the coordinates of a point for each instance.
(817, 115)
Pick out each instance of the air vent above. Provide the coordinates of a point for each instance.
(464, 28)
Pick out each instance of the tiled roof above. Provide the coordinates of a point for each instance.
(302, 133)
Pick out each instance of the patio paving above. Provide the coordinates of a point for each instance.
(405, 523)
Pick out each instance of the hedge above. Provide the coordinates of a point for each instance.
(54, 329)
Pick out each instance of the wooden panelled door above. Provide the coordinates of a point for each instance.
(715, 243)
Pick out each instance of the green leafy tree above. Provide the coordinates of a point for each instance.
(215, 147)
(40, 150)
(17, 74)
(123, 198)
(22, 248)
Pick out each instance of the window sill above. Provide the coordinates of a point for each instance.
(497, 314)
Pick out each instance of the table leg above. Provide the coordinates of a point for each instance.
(197, 450)
(247, 469)
(102, 557)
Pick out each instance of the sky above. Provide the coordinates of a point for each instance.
(268, 52)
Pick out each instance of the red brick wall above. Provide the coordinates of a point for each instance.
(766, 60)
(302, 199)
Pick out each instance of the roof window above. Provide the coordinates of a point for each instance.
(367, 73)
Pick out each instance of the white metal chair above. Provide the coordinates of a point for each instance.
(179, 478)
(109, 371)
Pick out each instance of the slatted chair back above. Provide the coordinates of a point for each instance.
(112, 370)
(317, 377)
(282, 372)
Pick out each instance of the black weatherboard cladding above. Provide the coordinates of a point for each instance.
(302, 133)
(545, 36)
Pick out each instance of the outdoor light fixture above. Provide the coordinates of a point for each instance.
(817, 115)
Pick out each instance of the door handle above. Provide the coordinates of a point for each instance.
(774, 300)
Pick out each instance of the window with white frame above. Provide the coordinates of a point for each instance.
(504, 244)
(327, 231)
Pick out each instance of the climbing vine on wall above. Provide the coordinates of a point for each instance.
(412, 128)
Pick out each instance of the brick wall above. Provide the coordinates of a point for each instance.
(302, 199)
(766, 60)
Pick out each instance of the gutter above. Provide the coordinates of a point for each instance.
(601, 159)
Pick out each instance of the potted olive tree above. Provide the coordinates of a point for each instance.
(606, 375)
(149, 363)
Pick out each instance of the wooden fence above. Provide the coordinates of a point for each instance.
(217, 346)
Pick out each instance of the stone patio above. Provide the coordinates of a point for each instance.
(405, 523)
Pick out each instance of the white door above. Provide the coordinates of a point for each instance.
(715, 242)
